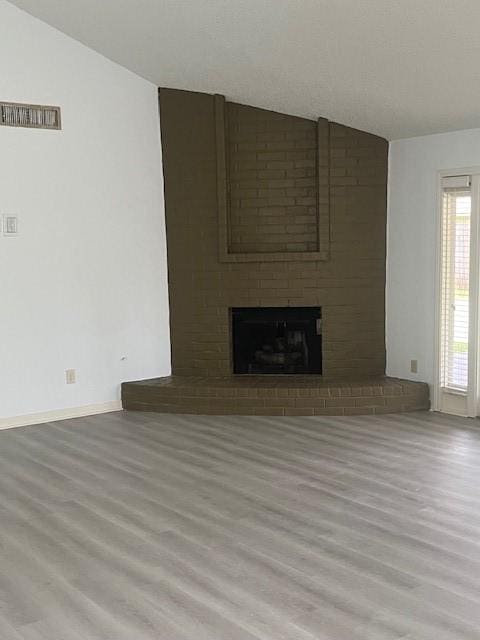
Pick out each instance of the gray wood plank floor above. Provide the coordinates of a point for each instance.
(145, 526)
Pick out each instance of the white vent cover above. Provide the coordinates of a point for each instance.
(29, 115)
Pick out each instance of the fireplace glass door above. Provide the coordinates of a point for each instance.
(277, 340)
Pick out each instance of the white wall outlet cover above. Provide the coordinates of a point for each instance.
(70, 376)
(10, 225)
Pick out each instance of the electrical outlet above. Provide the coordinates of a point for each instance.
(70, 376)
(414, 366)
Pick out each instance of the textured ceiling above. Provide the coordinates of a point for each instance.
(397, 68)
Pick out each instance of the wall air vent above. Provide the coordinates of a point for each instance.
(29, 115)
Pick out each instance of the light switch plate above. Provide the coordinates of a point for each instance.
(10, 225)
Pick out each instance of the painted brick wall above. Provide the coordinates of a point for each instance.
(349, 287)
(272, 168)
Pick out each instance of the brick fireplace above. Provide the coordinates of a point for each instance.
(213, 269)
(268, 212)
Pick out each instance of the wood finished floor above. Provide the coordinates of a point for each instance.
(146, 526)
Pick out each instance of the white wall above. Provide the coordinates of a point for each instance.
(411, 258)
(85, 281)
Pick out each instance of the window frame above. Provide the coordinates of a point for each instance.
(443, 399)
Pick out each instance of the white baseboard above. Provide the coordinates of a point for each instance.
(60, 414)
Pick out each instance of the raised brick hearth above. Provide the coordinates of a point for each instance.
(274, 396)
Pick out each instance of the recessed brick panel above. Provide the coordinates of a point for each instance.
(272, 181)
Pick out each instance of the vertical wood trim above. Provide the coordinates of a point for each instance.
(436, 392)
(222, 188)
(473, 355)
(323, 187)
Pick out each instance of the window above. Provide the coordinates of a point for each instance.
(457, 319)
(456, 218)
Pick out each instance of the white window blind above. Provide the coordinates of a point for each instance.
(455, 278)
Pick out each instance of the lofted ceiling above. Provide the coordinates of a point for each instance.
(397, 68)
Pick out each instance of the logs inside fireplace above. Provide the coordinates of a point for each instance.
(277, 340)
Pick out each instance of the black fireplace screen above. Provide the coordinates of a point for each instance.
(277, 340)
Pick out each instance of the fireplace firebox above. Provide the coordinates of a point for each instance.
(277, 340)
